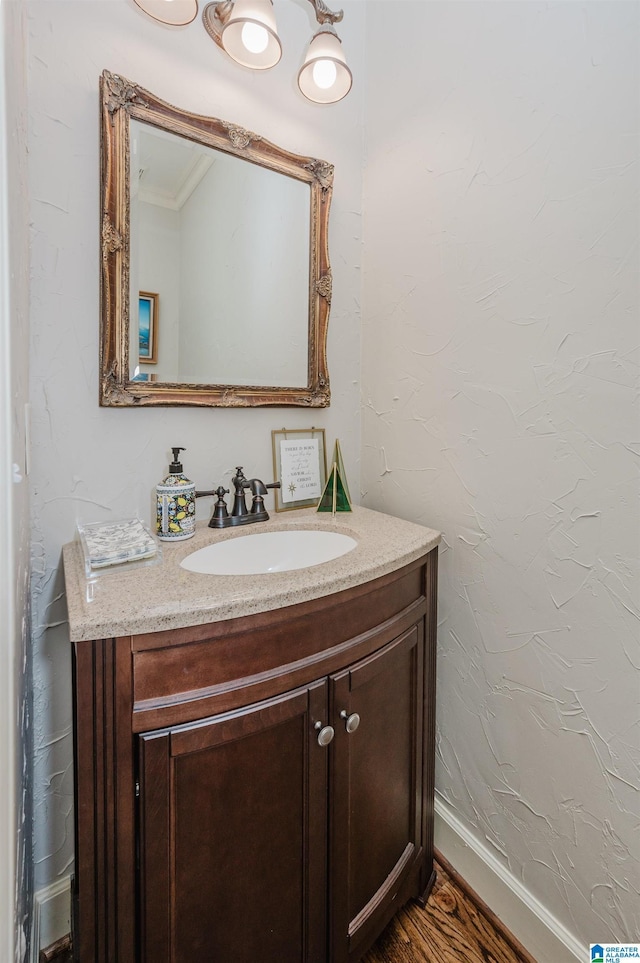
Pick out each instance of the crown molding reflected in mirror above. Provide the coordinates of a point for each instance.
(289, 288)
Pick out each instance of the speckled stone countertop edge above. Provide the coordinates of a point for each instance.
(166, 596)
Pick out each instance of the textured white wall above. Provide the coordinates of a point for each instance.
(500, 374)
(91, 463)
(15, 747)
(500, 357)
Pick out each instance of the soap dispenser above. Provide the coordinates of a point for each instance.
(176, 503)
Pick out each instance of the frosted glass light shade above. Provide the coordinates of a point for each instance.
(176, 13)
(316, 79)
(259, 14)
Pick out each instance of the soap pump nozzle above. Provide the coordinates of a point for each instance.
(175, 468)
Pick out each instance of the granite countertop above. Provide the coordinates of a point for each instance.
(166, 596)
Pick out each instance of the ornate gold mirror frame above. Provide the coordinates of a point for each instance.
(121, 102)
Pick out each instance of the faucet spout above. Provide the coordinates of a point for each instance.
(257, 487)
(259, 490)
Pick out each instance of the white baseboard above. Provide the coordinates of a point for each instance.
(546, 939)
(51, 915)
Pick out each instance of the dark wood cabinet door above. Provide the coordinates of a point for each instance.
(376, 796)
(233, 836)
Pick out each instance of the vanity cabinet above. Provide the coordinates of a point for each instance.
(233, 835)
(259, 788)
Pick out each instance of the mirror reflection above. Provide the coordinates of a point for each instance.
(224, 246)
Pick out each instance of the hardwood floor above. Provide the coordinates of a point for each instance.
(455, 926)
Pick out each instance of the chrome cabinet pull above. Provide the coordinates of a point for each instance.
(325, 734)
(351, 722)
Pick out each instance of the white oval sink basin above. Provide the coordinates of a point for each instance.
(268, 552)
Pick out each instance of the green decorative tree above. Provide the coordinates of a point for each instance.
(335, 497)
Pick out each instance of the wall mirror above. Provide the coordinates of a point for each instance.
(216, 282)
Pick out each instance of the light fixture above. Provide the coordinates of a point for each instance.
(246, 30)
(324, 76)
(175, 13)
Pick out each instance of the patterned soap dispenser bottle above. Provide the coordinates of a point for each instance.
(176, 503)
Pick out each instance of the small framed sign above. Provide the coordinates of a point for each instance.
(300, 464)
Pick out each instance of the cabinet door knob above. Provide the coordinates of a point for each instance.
(351, 722)
(325, 734)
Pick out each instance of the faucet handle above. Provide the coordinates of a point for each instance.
(239, 483)
(220, 507)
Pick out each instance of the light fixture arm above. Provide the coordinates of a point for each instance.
(214, 17)
(324, 15)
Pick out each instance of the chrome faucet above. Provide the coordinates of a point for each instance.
(240, 514)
